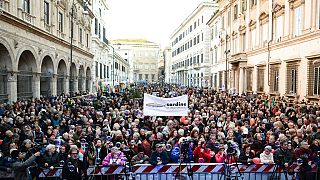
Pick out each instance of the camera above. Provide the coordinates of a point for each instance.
(231, 150)
(186, 143)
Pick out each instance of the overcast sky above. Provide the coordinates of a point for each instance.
(154, 20)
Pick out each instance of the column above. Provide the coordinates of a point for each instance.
(241, 81)
(53, 85)
(12, 87)
(36, 86)
(66, 85)
(75, 84)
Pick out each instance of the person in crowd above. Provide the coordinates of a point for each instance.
(50, 158)
(114, 158)
(73, 168)
(307, 157)
(201, 153)
(181, 151)
(221, 155)
(282, 156)
(20, 166)
(266, 156)
(140, 158)
(246, 155)
(159, 156)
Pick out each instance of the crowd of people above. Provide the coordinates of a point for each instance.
(110, 130)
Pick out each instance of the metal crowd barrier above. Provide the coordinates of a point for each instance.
(202, 171)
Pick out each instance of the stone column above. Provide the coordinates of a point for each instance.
(53, 85)
(66, 85)
(241, 80)
(75, 84)
(12, 87)
(36, 85)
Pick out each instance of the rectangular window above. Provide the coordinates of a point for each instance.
(260, 83)
(60, 21)
(235, 12)
(146, 66)
(279, 28)
(249, 79)
(80, 35)
(107, 71)
(316, 87)
(253, 38)
(274, 78)
(26, 6)
(97, 68)
(215, 85)
(140, 76)
(104, 34)
(153, 67)
(265, 33)
(104, 71)
(101, 70)
(244, 45)
(147, 76)
(152, 77)
(87, 38)
(99, 31)
(46, 12)
(215, 55)
(298, 20)
(96, 26)
(243, 5)
(201, 58)
(293, 88)
(198, 39)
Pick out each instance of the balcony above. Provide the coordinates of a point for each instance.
(4, 6)
(47, 27)
(25, 16)
(196, 66)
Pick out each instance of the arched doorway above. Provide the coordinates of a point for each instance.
(62, 71)
(5, 66)
(26, 68)
(81, 79)
(88, 75)
(46, 76)
(73, 74)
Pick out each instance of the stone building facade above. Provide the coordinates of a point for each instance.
(35, 48)
(190, 65)
(267, 47)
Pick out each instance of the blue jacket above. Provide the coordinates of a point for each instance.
(175, 155)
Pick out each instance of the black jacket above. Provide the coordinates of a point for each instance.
(73, 169)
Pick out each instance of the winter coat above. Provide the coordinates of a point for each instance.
(118, 158)
(20, 168)
(265, 159)
(206, 156)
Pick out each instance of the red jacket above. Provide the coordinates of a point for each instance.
(205, 154)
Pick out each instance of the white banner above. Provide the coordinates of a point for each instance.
(156, 106)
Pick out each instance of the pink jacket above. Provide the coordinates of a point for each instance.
(118, 158)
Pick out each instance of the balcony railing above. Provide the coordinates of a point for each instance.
(4, 5)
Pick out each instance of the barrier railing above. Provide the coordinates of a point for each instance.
(173, 171)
